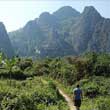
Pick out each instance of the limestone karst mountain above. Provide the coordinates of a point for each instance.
(5, 44)
(65, 32)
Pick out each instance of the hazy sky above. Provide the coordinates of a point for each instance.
(15, 14)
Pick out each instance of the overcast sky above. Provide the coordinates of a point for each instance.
(15, 14)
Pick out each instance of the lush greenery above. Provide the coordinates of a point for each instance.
(31, 94)
(31, 84)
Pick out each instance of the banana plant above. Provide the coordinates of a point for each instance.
(9, 63)
(1, 58)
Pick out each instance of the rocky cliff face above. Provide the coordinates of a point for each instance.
(82, 31)
(5, 44)
(65, 32)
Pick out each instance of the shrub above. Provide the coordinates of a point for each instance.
(23, 64)
(103, 104)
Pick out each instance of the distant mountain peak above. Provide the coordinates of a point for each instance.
(67, 8)
(90, 10)
(1, 23)
(46, 19)
(2, 26)
(66, 12)
(30, 25)
(44, 14)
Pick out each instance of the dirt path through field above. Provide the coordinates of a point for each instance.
(68, 99)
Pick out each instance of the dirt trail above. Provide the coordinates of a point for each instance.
(68, 99)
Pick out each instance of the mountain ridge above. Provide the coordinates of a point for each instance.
(72, 28)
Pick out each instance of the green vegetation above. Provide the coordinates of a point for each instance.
(31, 94)
(31, 85)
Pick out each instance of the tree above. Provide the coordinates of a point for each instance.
(9, 63)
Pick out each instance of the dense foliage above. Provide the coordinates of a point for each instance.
(31, 94)
(23, 83)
